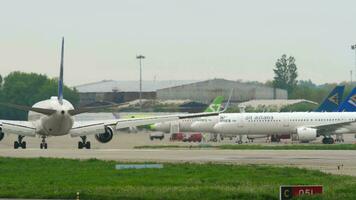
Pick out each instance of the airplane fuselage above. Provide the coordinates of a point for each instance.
(283, 123)
(56, 124)
(205, 124)
(184, 125)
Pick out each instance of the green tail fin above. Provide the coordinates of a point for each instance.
(215, 105)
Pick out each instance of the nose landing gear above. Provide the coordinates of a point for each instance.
(20, 143)
(43, 144)
(84, 143)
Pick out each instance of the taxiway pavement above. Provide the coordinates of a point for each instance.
(121, 149)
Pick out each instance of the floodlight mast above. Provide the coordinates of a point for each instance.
(140, 57)
(353, 47)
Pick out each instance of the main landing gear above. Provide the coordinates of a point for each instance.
(84, 143)
(20, 143)
(328, 140)
(239, 139)
(43, 144)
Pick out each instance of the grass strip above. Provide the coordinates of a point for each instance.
(95, 179)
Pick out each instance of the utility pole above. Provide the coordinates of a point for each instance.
(350, 77)
(353, 47)
(140, 57)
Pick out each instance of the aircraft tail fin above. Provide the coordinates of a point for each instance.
(215, 105)
(60, 79)
(349, 104)
(332, 101)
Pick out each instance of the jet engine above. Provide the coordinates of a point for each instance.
(105, 137)
(306, 134)
(1, 134)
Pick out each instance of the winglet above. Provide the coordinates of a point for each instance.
(60, 81)
(228, 101)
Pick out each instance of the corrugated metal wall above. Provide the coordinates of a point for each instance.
(207, 90)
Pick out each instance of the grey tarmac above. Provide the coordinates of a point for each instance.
(324, 160)
(121, 149)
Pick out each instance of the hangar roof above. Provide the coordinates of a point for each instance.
(129, 86)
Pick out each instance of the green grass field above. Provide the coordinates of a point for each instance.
(259, 146)
(94, 179)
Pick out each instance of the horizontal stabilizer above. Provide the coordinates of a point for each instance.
(27, 108)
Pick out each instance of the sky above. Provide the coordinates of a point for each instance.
(181, 39)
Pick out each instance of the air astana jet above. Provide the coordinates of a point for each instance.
(307, 126)
(54, 117)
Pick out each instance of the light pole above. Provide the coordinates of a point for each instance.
(353, 47)
(350, 77)
(140, 57)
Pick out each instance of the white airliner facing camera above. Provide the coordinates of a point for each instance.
(54, 117)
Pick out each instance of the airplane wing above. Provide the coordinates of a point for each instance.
(23, 128)
(332, 127)
(81, 128)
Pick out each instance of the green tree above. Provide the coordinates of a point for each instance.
(299, 107)
(285, 73)
(308, 90)
(27, 89)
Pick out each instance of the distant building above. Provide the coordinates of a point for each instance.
(121, 91)
(89, 98)
(206, 91)
(128, 86)
(202, 92)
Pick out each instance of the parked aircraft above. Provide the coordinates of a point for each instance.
(209, 124)
(306, 125)
(332, 102)
(349, 104)
(184, 125)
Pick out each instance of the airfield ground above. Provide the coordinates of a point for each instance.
(123, 140)
(197, 173)
(121, 148)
